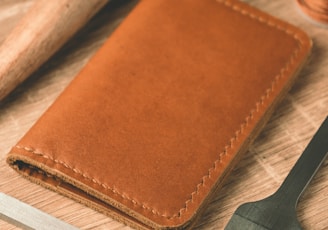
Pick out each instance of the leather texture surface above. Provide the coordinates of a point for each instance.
(153, 124)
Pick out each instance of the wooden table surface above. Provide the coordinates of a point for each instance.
(258, 174)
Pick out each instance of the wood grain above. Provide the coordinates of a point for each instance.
(42, 31)
(259, 173)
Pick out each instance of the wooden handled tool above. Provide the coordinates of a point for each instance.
(41, 32)
(315, 9)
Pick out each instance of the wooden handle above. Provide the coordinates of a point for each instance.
(41, 32)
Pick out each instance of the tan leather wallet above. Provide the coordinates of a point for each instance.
(153, 124)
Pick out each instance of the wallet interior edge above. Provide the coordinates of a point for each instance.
(30, 170)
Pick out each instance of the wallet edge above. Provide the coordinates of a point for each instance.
(303, 50)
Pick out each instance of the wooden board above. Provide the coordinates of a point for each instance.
(259, 173)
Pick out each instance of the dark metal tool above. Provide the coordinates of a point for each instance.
(278, 211)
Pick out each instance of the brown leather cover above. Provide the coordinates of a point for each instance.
(156, 120)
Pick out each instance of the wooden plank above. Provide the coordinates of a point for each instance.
(259, 173)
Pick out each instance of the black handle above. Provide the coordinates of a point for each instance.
(306, 167)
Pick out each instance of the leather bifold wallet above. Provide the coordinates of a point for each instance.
(156, 120)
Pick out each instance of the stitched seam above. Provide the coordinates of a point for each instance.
(248, 118)
(85, 176)
(258, 104)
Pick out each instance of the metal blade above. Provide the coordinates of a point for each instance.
(25, 216)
